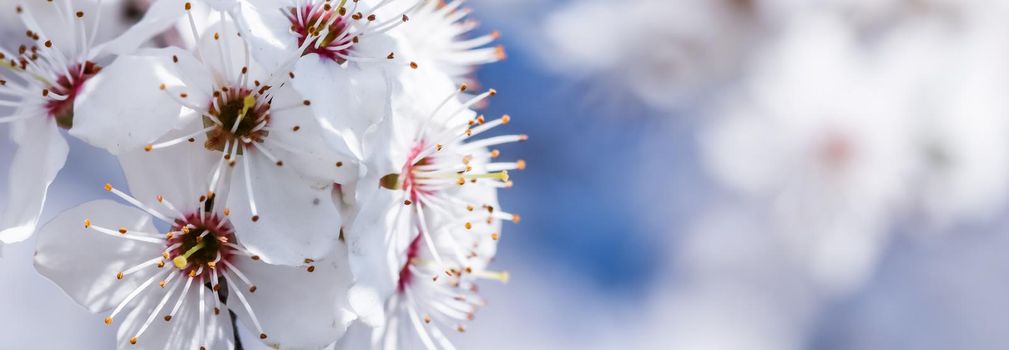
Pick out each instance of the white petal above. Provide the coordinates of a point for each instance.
(40, 156)
(297, 221)
(84, 262)
(307, 150)
(373, 268)
(180, 173)
(272, 42)
(348, 100)
(182, 331)
(359, 336)
(123, 108)
(368, 305)
(159, 17)
(298, 309)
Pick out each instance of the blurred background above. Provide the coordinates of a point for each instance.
(713, 174)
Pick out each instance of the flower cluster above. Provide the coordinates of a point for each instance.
(298, 167)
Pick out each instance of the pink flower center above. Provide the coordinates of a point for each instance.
(70, 86)
(408, 176)
(412, 252)
(314, 20)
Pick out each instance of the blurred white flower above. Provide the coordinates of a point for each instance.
(823, 139)
(42, 82)
(240, 113)
(667, 52)
(107, 256)
(956, 81)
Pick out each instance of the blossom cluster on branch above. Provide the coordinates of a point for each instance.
(312, 170)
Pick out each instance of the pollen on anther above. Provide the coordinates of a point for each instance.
(339, 164)
(427, 318)
(469, 225)
(108, 187)
(133, 340)
(108, 320)
(168, 318)
(122, 230)
(255, 218)
(227, 211)
(119, 275)
(189, 6)
(311, 268)
(407, 202)
(87, 223)
(494, 236)
(307, 102)
(413, 65)
(262, 335)
(520, 164)
(80, 14)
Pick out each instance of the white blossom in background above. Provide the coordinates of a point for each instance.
(668, 53)
(818, 135)
(442, 35)
(955, 79)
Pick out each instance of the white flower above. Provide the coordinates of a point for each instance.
(337, 33)
(822, 139)
(349, 56)
(437, 36)
(176, 288)
(264, 137)
(960, 126)
(42, 83)
(665, 52)
(429, 221)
